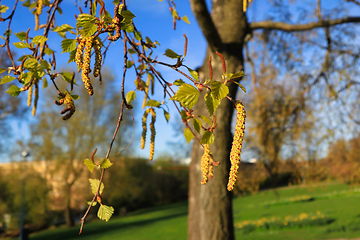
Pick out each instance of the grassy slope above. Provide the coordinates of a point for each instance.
(170, 222)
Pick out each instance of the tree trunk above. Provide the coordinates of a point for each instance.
(210, 206)
(69, 218)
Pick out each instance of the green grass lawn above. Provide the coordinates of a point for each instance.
(170, 221)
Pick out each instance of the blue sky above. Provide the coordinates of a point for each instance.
(153, 20)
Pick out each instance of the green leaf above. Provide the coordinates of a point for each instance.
(87, 24)
(21, 35)
(138, 35)
(72, 56)
(127, 14)
(205, 119)
(207, 138)
(131, 51)
(89, 164)
(187, 95)
(2, 70)
(237, 75)
(94, 183)
(45, 83)
(171, 54)
(105, 212)
(167, 116)
(93, 204)
(185, 19)
(67, 77)
(129, 64)
(39, 39)
(14, 91)
(219, 90)
(68, 45)
(211, 103)
(153, 103)
(197, 124)
(7, 79)
(3, 8)
(33, 65)
(48, 51)
(75, 97)
(241, 86)
(130, 96)
(21, 45)
(105, 163)
(188, 135)
(178, 82)
(45, 64)
(194, 74)
(63, 28)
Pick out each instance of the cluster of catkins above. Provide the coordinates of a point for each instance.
(66, 98)
(82, 59)
(237, 144)
(152, 130)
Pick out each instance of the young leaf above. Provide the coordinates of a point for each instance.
(127, 14)
(167, 116)
(21, 35)
(14, 91)
(94, 183)
(152, 103)
(188, 135)
(194, 74)
(68, 45)
(105, 212)
(67, 77)
(130, 96)
(129, 64)
(187, 95)
(21, 45)
(39, 39)
(211, 103)
(197, 124)
(93, 204)
(3, 8)
(89, 164)
(7, 79)
(205, 119)
(207, 138)
(185, 19)
(63, 28)
(33, 65)
(241, 86)
(219, 90)
(105, 163)
(45, 64)
(171, 54)
(2, 70)
(178, 82)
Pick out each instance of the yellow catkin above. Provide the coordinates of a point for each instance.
(236, 145)
(205, 161)
(37, 22)
(79, 54)
(98, 57)
(36, 97)
(153, 133)
(146, 91)
(86, 65)
(143, 135)
(38, 13)
(211, 170)
(30, 93)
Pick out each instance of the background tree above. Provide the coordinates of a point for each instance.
(65, 145)
(322, 37)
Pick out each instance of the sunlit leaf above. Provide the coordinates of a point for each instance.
(89, 164)
(39, 39)
(13, 91)
(105, 163)
(7, 79)
(21, 45)
(207, 138)
(194, 74)
(171, 54)
(185, 19)
(94, 183)
(187, 95)
(105, 212)
(219, 90)
(68, 45)
(153, 103)
(197, 124)
(130, 96)
(188, 135)
(166, 115)
(211, 103)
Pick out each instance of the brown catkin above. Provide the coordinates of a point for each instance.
(36, 97)
(79, 54)
(86, 65)
(153, 133)
(98, 57)
(205, 161)
(237, 144)
(69, 101)
(30, 93)
(143, 135)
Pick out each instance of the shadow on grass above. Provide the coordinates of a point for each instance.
(92, 229)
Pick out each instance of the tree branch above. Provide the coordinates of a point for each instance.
(281, 26)
(207, 26)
